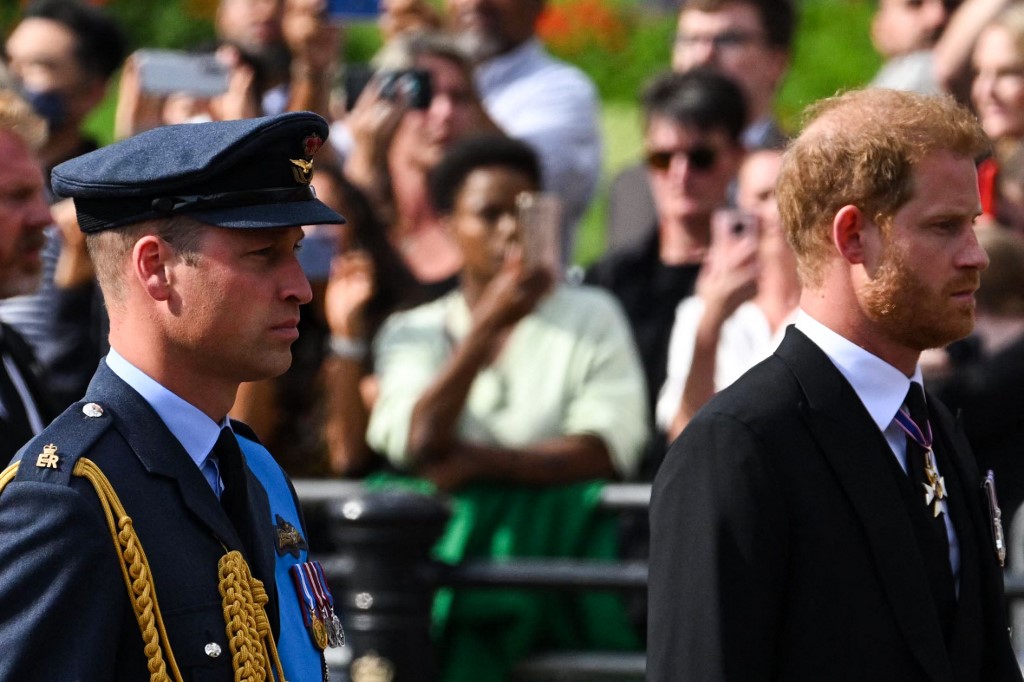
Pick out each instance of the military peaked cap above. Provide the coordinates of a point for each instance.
(252, 173)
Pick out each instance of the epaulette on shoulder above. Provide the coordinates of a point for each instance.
(51, 456)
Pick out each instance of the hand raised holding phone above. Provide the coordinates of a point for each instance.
(729, 275)
(539, 216)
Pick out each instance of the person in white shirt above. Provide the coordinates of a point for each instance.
(536, 98)
(746, 295)
(905, 32)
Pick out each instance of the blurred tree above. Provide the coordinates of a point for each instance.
(618, 43)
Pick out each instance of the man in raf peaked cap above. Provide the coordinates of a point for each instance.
(193, 230)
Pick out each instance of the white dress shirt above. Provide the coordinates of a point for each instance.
(882, 388)
(746, 339)
(553, 107)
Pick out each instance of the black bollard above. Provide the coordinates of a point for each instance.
(383, 580)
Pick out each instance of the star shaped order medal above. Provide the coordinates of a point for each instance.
(935, 488)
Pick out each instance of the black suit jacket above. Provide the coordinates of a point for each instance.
(11, 436)
(64, 612)
(781, 548)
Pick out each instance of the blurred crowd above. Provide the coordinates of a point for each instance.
(449, 343)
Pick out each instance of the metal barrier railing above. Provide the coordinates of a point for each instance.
(316, 493)
(377, 561)
(375, 550)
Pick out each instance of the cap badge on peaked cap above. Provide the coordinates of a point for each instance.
(245, 174)
(302, 169)
(311, 145)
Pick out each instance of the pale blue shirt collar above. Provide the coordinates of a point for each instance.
(196, 432)
(880, 386)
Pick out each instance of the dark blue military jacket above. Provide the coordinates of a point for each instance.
(64, 608)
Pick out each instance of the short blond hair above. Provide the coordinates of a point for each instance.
(860, 148)
(17, 117)
(109, 249)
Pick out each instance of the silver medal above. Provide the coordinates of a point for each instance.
(335, 634)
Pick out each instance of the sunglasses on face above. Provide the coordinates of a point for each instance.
(698, 158)
(730, 40)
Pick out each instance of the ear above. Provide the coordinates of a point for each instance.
(152, 259)
(848, 234)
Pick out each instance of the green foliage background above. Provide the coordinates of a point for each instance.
(832, 52)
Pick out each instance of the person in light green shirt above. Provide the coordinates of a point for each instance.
(565, 378)
(510, 377)
(521, 397)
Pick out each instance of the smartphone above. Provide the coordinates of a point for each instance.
(353, 9)
(733, 224)
(162, 72)
(414, 84)
(539, 217)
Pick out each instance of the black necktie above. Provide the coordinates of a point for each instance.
(929, 528)
(234, 498)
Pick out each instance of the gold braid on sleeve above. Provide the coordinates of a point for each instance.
(254, 654)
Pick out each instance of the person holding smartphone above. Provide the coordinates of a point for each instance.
(520, 396)
(746, 294)
(419, 103)
(692, 147)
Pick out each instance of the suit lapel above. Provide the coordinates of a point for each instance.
(161, 453)
(856, 450)
(15, 423)
(166, 457)
(31, 371)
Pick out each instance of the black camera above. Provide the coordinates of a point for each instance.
(412, 84)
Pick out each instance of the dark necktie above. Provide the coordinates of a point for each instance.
(20, 429)
(929, 528)
(234, 498)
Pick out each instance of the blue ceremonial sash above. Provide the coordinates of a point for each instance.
(300, 659)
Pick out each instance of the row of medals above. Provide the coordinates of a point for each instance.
(326, 628)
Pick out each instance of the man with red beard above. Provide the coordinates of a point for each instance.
(24, 407)
(825, 518)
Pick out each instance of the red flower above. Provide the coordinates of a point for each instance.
(573, 25)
